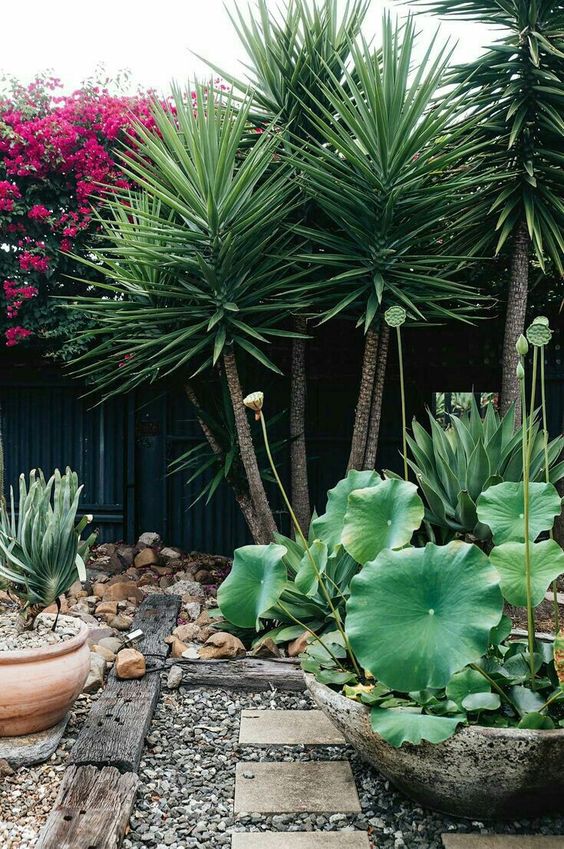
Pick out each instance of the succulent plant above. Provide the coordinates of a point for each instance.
(454, 466)
(41, 553)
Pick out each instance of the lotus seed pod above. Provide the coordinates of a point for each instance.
(395, 316)
(522, 346)
(520, 371)
(539, 334)
(254, 401)
(540, 319)
(559, 656)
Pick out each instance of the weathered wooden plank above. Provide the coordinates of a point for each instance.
(244, 674)
(92, 809)
(114, 732)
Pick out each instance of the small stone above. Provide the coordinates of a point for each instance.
(222, 645)
(174, 678)
(123, 590)
(169, 553)
(98, 588)
(52, 608)
(146, 579)
(299, 645)
(95, 679)
(187, 588)
(146, 557)
(121, 622)
(178, 648)
(193, 609)
(149, 538)
(108, 655)
(266, 648)
(106, 607)
(6, 769)
(204, 577)
(187, 632)
(130, 663)
(191, 653)
(113, 644)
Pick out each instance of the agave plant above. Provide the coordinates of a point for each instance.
(41, 552)
(454, 466)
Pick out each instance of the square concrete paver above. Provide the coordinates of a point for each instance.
(301, 840)
(288, 728)
(502, 841)
(286, 788)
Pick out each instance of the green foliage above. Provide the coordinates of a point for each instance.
(502, 509)
(514, 90)
(254, 584)
(41, 553)
(329, 526)
(547, 564)
(415, 617)
(410, 725)
(455, 466)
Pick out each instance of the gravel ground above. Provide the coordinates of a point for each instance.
(187, 774)
(40, 636)
(28, 795)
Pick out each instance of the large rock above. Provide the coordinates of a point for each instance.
(95, 679)
(222, 645)
(122, 591)
(146, 557)
(187, 588)
(148, 539)
(130, 663)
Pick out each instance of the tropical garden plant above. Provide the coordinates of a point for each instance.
(514, 90)
(421, 636)
(41, 550)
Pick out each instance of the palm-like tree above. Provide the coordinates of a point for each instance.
(291, 60)
(193, 258)
(386, 169)
(515, 92)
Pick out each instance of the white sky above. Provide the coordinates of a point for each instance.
(152, 39)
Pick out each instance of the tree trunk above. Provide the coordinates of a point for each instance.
(247, 451)
(362, 413)
(241, 495)
(377, 395)
(515, 320)
(298, 451)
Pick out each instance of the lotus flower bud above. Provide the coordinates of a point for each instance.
(522, 346)
(541, 319)
(254, 401)
(520, 371)
(539, 333)
(559, 656)
(395, 316)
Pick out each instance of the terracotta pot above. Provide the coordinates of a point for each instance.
(38, 686)
(479, 773)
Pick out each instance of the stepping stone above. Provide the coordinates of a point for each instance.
(301, 840)
(502, 841)
(288, 728)
(288, 788)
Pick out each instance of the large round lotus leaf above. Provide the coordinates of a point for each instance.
(404, 725)
(547, 563)
(381, 517)
(417, 616)
(329, 526)
(254, 585)
(501, 507)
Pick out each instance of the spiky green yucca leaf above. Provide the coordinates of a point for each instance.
(195, 253)
(389, 175)
(515, 91)
(41, 553)
(454, 466)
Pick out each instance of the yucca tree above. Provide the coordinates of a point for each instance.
(515, 91)
(193, 258)
(293, 53)
(387, 171)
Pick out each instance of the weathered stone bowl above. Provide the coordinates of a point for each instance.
(39, 685)
(480, 773)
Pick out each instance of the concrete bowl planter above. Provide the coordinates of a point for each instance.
(480, 773)
(39, 685)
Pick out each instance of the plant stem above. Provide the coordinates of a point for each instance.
(530, 609)
(403, 417)
(556, 695)
(496, 686)
(285, 610)
(556, 607)
(300, 533)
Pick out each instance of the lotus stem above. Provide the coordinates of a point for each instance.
(499, 690)
(315, 636)
(525, 444)
(403, 416)
(555, 605)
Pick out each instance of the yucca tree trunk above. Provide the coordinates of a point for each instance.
(246, 448)
(362, 412)
(515, 319)
(241, 495)
(298, 449)
(377, 396)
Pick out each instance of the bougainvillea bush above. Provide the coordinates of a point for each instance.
(57, 152)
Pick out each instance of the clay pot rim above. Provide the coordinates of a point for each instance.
(463, 731)
(46, 652)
